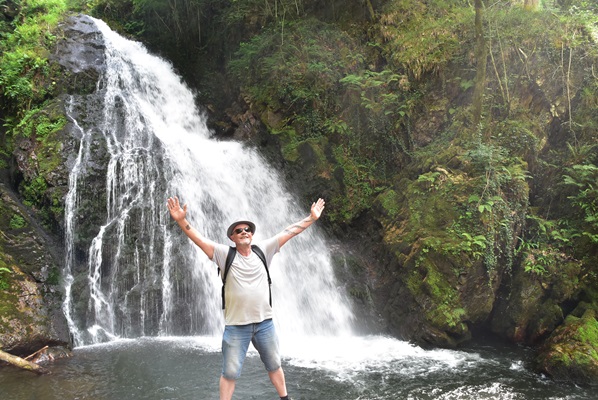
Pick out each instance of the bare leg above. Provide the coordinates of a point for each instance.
(227, 388)
(277, 378)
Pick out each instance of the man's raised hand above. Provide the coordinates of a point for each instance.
(317, 208)
(176, 211)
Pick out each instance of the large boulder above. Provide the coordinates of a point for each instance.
(571, 354)
(539, 293)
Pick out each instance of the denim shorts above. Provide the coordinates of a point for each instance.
(235, 343)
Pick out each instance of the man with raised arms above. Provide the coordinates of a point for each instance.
(246, 294)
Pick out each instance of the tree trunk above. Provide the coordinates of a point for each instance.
(370, 9)
(22, 363)
(481, 55)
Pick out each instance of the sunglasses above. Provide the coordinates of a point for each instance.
(239, 230)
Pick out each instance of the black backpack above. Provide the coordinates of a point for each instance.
(232, 252)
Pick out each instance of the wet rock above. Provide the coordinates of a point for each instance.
(30, 299)
(538, 302)
(571, 352)
(80, 53)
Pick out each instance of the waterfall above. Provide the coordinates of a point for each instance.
(139, 275)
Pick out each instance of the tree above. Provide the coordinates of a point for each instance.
(481, 55)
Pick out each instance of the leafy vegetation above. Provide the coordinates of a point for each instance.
(28, 88)
(584, 179)
(3, 281)
(423, 37)
(17, 222)
(25, 76)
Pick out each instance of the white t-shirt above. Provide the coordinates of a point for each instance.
(247, 298)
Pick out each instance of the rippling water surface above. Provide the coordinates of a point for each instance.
(316, 368)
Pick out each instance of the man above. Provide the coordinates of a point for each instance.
(248, 312)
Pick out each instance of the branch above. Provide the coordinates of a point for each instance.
(37, 352)
(22, 363)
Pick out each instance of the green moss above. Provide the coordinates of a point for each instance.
(588, 331)
(8, 299)
(574, 344)
(426, 281)
(4, 277)
(390, 202)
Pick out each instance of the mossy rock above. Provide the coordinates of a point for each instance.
(30, 297)
(538, 301)
(26, 321)
(571, 351)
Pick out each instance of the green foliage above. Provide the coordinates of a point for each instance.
(471, 210)
(518, 137)
(34, 191)
(537, 259)
(303, 75)
(299, 70)
(389, 200)
(53, 276)
(422, 37)
(474, 245)
(501, 171)
(24, 72)
(277, 11)
(430, 180)
(39, 124)
(3, 281)
(542, 249)
(358, 176)
(17, 222)
(380, 108)
(367, 85)
(118, 13)
(584, 181)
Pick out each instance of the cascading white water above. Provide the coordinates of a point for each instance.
(143, 277)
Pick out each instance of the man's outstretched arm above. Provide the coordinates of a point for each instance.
(179, 214)
(298, 227)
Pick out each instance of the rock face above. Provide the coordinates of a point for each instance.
(31, 253)
(30, 299)
(81, 55)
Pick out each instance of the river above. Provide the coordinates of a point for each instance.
(316, 368)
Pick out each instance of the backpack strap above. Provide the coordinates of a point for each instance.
(262, 257)
(232, 252)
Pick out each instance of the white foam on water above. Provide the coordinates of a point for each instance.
(347, 356)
